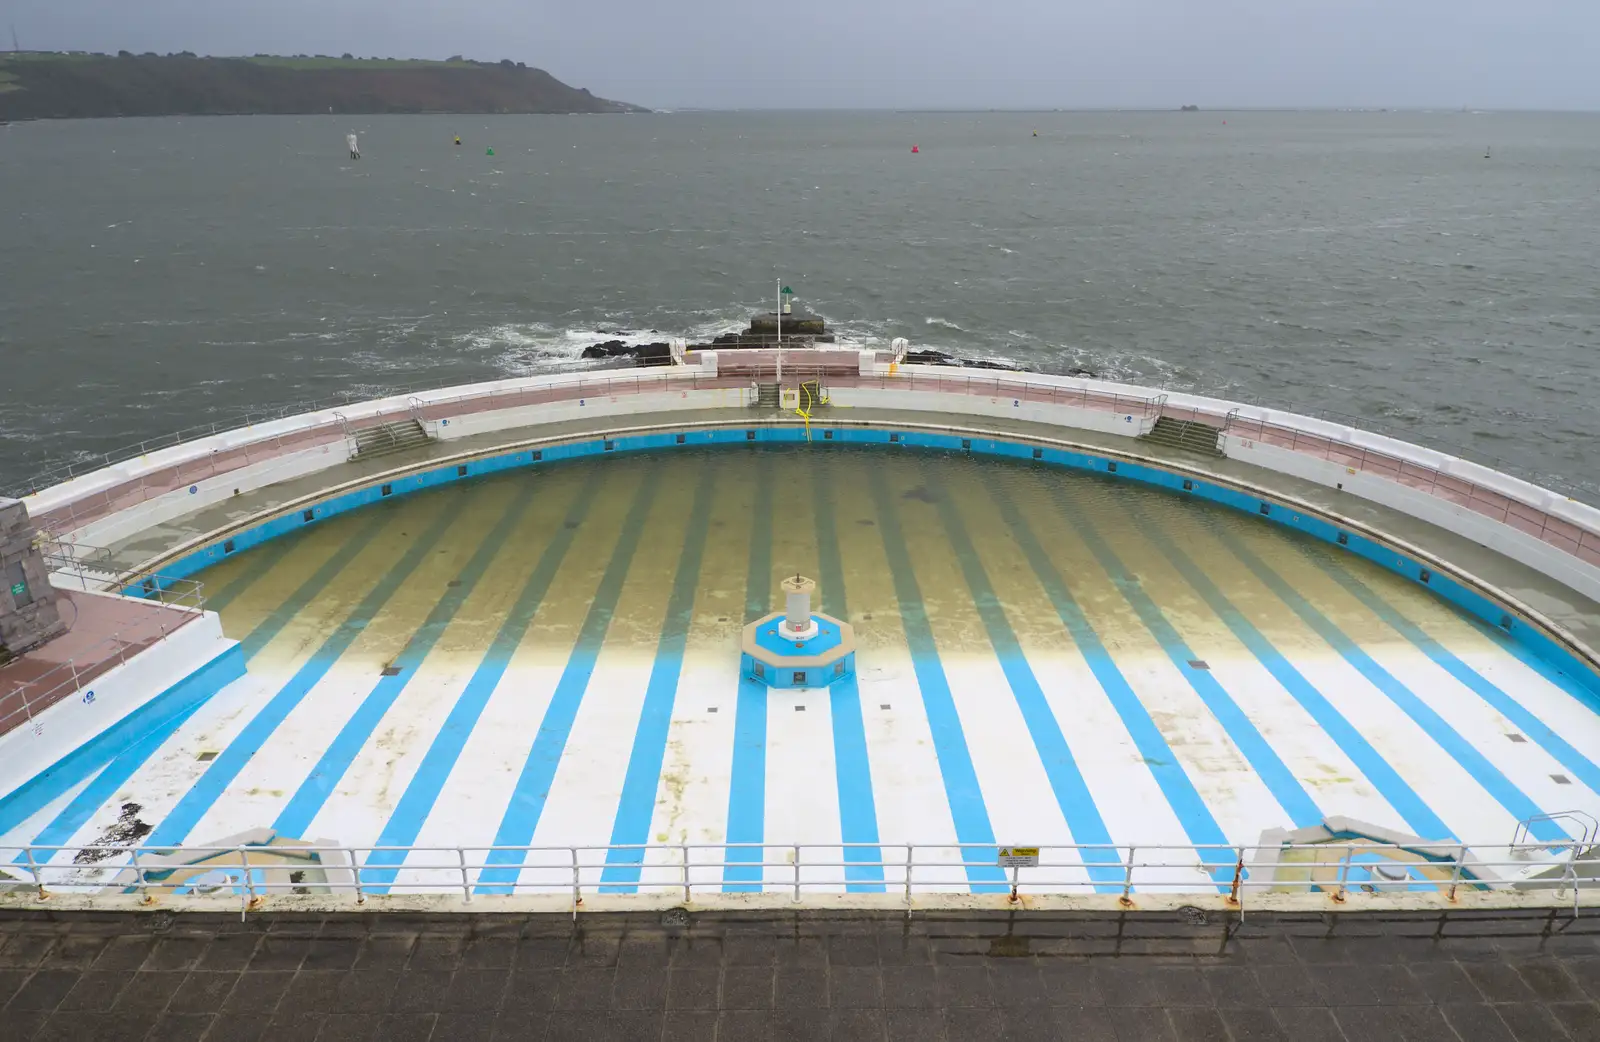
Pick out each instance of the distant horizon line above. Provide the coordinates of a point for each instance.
(1035, 111)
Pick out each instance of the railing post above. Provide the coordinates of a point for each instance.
(1455, 873)
(684, 848)
(910, 861)
(33, 867)
(796, 872)
(1235, 892)
(355, 873)
(138, 874)
(1344, 871)
(577, 888)
(1127, 880)
(466, 885)
(249, 884)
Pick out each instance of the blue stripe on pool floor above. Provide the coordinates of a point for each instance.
(259, 565)
(747, 791)
(538, 772)
(102, 788)
(422, 792)
(1416, 813)
(758, 577)
(747, 795)
(1486, 774)
(1169, 775)
(858, 811)
(127, 763)
(1055, 756)
(1526, 721)
(205, 792)
(297, 815)
(307, 591)
(440, 759)
(1263, 759)
(962, 792)
(642, 779)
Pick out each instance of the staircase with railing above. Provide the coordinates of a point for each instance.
(1187, 435)
(387, 438)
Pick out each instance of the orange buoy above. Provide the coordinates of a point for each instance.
(915, 149)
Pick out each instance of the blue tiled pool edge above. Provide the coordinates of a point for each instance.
(1469, 600)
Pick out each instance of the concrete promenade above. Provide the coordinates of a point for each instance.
(156, 977)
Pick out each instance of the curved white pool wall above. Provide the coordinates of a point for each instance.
(1557, 536)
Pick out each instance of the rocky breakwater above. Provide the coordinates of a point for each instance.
(640, 354)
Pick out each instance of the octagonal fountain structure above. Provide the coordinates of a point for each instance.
(797, 647)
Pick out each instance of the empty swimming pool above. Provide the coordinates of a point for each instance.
(550, 658)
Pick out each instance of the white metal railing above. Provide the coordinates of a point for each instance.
(901, 872)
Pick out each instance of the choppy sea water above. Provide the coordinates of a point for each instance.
(157, 274)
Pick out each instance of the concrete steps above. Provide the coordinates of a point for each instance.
(767, 396)
(1188, 435)
(387, 438)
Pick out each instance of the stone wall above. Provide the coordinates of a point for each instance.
(28, 614)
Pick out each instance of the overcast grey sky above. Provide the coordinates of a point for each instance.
(917, 53)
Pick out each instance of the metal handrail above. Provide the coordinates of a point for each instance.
(699, 869)
(1587, 822)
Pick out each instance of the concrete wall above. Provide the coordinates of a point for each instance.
(28, 613)
(205, 492)
(1128, 424)
(470, 424)
(1501, 538)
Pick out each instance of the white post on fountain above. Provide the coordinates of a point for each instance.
(797, 622)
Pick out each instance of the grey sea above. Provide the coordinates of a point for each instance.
(1431, 274)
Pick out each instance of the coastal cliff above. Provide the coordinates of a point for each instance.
(36, 85)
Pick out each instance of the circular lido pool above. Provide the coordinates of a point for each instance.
(540, 668)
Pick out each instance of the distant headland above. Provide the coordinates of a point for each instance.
(52, 85)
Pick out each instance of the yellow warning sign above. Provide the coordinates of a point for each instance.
(1019, 857)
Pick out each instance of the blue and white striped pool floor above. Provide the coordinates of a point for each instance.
(1045, 658)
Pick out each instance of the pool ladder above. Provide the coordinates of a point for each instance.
(1589, 829)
